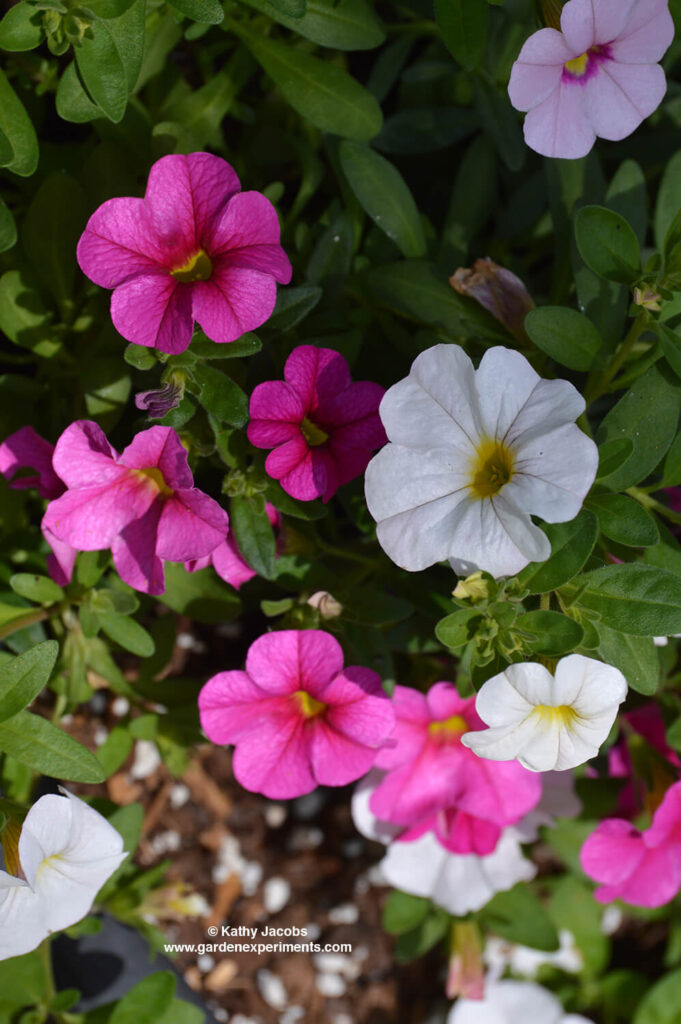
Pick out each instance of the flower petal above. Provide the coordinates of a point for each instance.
(294, 659)
(274, 759)
(191, 525)
(247, 234)
(155, 311)
(558, 126)
(318, 375)
(159, 447)
(553, 474)
(25, 449)
(231, 705)
(276, 412)
(22, 917)
(235, 300)
(83, 457)
(620, 96)
(538, 69)
(578, 25)
(134, 553)
(119, 243)
(647, 35)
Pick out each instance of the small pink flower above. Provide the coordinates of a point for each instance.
(322, 427)
(195, 248)
(142, 504)
(298, 719)
(598, 76)
(227, 560)
(641, 868)
(25, 449)
(434, 783)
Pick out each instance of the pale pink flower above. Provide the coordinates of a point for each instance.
(597, 77)
(641, 868)
(297, 718)
(227, 560)
(322, 426)
(434, 783)
(195, 248)
(142, 503)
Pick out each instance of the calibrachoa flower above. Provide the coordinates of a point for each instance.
(509, 1001)
(473, 455)
(142, 503)
(460, 883)
(433, 782)
(598, 76)
(297, 718)
(195, 248)
(227, 559)
(642, 868)
(322, 426)
(66, 852)
(26, 449)
(548, 722)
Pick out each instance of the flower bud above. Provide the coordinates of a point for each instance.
(327, 605)
(500, 292)
(647, 298)
(474, 588)
(466, 974)
(161, 400)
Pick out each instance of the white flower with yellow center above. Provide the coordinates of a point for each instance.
(66, 851)
(548, 722)
(472, 455)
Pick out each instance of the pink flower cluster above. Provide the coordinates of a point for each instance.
(142, 504)
(297, 718)
(433, 783)
(195, 248)
(322, 426)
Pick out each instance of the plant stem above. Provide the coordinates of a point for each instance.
(46, 957)
(600, 384)
(37, 615)
(652, 503)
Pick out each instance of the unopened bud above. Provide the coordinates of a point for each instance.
(160, 401)
(473, 588)
(648, 299)
(466, 974)
(500, 292)
(327, 605)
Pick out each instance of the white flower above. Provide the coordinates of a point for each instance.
(473, 455)
(547, 722)
(507, 1002)
(501, 954)
(66, 853)
(458, 882)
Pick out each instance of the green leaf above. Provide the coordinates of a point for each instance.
(402, 912)
(627, 196)
(208, 12)
(518, 915)
(204, 348)
(21, 28)
(220, 396)
(463, 24)
(384, 195)
(73, 102)
(500, 122)
(103, 72)
(288, 506)
(8, 227)
(180, 1012)
(294, 8)
(109, 8)
(322, 93)
(44, 748)
(54, 223)
(571, 545)
(639, 599)
(127, 32)
(564, 334)
(200, 595)
(293, 305)
(647, 415)
(139, 357)
(22, 678)
(550, 632)
(147, 1001)
(623, 520)
(671, 346)
(253, 533)
(22, 983)
(612, 455)
(635, 656)
(574, 908)
(338, 24)
(24, 316)
(667, 199)
(17, 128)
(660, 1004)
(457, 629)
(40, 589)
(128, 634)
(607, 244)
(114, 750)
(419, 940)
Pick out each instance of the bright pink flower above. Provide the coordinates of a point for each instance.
(435, 783)
(25, 449)
(142, 504)
(642, 868)
(598, 76)
(298, 719)
(323, 428)
(227, 559)
(195, 248)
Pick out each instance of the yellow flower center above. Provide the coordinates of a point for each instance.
(197, 268)
(452, 726)
(562, 715)
(155, 477)
(308, 705)
(313, 434)
(577, 66)
(491, 468)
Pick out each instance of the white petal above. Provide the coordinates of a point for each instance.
(400, 479)
(22, 919)
(553, 474)
(364, 820)
(415, 867)
(577, 23)
(504, 381)
(611, 17)
(508, 742)
(507, 1002)
(591, 686)
(551, 404)
(647, 35)
(529, 679)
(620, 96)
(492, 534)
(558, 126)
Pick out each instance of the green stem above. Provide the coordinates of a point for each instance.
(350, 556)
(46, 957)
(37, 615)
(600, 385)
(653, 504)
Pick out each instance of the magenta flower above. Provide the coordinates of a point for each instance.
(598, 76)
(25, 449)
(195, 248)
(298, 719)
(227, 559)
(434, 783)
(142, 504)
(322, 427)
(642, 868)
